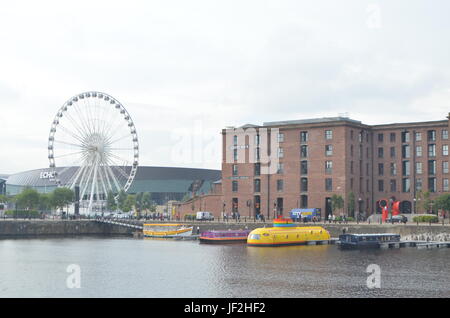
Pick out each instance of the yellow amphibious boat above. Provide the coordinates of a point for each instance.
(284, 233)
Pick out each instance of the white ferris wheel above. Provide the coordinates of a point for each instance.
(93, 137)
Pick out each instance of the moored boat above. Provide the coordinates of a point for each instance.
(285, 233)
(349, 241)
(164, 230)
(220, 237)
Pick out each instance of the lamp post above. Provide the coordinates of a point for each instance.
(359, 209)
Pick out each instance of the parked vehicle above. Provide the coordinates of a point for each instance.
(397, 219)
(204, 216)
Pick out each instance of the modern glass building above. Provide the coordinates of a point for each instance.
(164, 183)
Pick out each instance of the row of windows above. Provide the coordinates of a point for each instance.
(431, 136)
(280, 168)
(406, 186)
(280, 185)
(432, 170)
(406, 151)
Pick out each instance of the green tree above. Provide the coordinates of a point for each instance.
(111, 203)
(443, 202)
(45, 202)
(130, 201)
(147, 202)
(337, 202)
(28, 199)
(138, 202)
(424, 200)
(351, 203)
(61, 197)
(122, 197)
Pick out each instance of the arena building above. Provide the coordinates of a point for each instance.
(164, 183)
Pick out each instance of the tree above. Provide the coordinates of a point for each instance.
(111, 203)
(424, 201)
(61, 197)
(121, 200)
(138, 202)
(337, 202)
(147, 202)
(130, 201)
(45, 202)
(351, 203)
(443, 202)
(28, 199)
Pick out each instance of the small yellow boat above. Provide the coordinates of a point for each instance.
(285, 233)
(166, 230)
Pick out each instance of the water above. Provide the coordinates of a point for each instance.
(122, 267)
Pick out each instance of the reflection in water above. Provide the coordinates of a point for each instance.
(166, 268)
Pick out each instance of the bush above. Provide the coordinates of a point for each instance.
(426, 219)
(22, 213)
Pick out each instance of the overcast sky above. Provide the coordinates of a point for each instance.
(186, 69)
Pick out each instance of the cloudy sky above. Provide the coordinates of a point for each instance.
(186, 69)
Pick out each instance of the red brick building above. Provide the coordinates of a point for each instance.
(279, 166)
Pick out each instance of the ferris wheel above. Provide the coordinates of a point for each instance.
(94, 137)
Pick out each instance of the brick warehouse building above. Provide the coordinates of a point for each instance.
(310, 160)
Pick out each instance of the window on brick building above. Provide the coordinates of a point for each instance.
(257, 169)
(257, 184)
(328, 134)
(445, 150)
(280, 185)
(303, 151)
(329, 167)
(280, 153)
(418, 151)
(405, 136)
(393, 185)
(418, 136)
(432, 150)
(380, 185)
(392, 137)
(234, 186)
(328, 150)
(280, 168)
(328, 184)
(431, 167)
(235, 170)
(304, 167)
(445, 184)
(380, 169)
(304, 136)
(445, 134)
(444, 166)
(380, 137)
(380, 152)
(431, 135)
(393, 169)
(432, 184)
(304, 184)
(406, 185)
(280, 137)
(419, 184)
(418, 167)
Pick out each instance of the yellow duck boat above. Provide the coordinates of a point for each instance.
(166, 230)
(285, 233)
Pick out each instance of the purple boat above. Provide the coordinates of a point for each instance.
(220, 237)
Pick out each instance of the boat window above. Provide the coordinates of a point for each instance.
(254, 237)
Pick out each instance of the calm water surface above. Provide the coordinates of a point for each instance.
(122, 267)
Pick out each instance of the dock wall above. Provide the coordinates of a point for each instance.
(34, 228)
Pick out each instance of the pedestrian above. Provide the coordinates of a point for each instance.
(198, 229)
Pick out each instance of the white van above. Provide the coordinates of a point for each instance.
(204, 216)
